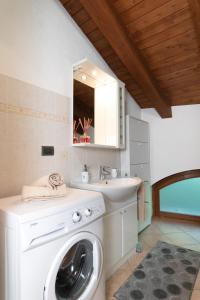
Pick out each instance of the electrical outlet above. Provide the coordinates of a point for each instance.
(47, 150)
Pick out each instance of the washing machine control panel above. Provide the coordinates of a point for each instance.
(35, 232)
(88, 212)
(76, 217)
(84, 214)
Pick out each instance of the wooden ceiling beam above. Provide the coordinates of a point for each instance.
(64, 1)
(115, 33)
(195, 11)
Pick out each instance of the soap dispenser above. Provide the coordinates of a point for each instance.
(85, 174)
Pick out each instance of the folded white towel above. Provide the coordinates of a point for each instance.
(46, 187)
(38, 192)
(53, 181)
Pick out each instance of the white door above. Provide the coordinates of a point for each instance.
(76, 269)
(129, 228)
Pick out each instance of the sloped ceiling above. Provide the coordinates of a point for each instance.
(161, 39)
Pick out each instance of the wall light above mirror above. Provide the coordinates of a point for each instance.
(98, 108)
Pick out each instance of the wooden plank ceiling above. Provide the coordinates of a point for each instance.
(165, 40)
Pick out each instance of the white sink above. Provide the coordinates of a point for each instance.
(116, 190)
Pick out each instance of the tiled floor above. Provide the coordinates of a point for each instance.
(179, 233)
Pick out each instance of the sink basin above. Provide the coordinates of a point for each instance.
(116, 190)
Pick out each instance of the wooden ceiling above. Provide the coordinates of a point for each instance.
(151, 45)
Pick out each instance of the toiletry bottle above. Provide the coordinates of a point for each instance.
(85, 174)
(114, 173)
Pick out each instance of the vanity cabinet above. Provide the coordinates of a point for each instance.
(129, 228)
(112, 240)
(120, 236)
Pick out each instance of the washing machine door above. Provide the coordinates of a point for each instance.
(76, 270)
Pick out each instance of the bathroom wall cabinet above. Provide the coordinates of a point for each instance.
(135, 160)
(121, 236)
(101, 99)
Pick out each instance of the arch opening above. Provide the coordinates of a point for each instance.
(178, 196)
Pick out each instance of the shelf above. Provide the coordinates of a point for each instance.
(87, 145)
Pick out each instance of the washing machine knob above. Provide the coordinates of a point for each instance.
(76, 217)
(88, 212)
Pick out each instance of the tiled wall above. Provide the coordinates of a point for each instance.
(29, 118)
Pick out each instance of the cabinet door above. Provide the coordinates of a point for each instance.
(106, 109)
(148, 215)
(139, 152)
(129, 228)
(112, 240)
(139, 130)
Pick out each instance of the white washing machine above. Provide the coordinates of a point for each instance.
(52, 250)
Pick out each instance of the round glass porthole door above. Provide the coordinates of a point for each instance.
(75, 271)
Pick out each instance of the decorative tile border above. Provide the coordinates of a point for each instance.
(24, 111)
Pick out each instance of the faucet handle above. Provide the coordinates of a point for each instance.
(103, 171)
(106, 167)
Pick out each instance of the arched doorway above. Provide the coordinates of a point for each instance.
(167, 181)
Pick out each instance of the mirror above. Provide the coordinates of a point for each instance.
(98, 107)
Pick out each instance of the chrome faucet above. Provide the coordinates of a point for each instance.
(103, 172)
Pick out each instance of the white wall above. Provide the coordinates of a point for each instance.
(174, 142)
(132, 108)
(39, 43)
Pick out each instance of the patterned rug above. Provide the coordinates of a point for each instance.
(167, 272)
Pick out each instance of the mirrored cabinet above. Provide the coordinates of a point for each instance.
(98, 108)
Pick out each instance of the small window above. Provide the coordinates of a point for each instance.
(182, 197)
